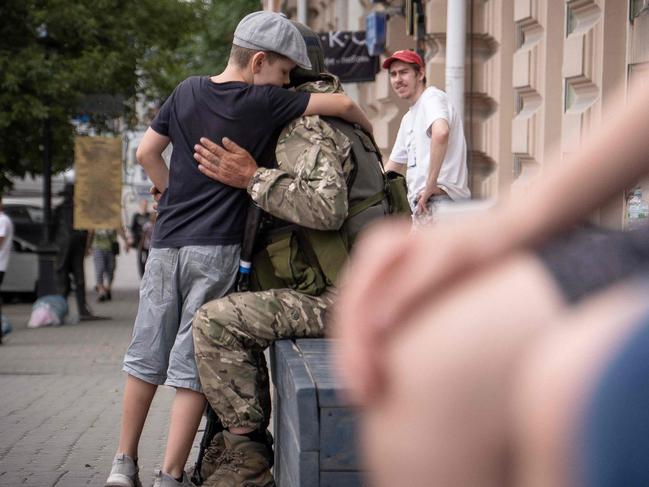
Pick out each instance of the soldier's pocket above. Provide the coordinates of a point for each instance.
(397, 191)
(291, 264)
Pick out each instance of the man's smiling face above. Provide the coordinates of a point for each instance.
(405, 79)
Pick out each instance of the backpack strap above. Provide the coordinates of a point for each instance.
(330, 248)
(365, 204)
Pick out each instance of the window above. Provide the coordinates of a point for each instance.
(35, 214)
(517, 167)
(518, 103)
(520, 36)
(637, 8)
(568, 95)
(571, 20)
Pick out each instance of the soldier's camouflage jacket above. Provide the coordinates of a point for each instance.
(308, 186)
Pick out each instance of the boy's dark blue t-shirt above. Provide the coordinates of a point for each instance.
(196, 210)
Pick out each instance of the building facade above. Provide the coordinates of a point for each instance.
(539, 76)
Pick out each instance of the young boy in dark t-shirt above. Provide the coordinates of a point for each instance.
(194, 254)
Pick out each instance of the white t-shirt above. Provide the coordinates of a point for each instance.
(412, 146)
(6, 231)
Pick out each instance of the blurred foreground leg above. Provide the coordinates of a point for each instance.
(443, 416)
(556, 384)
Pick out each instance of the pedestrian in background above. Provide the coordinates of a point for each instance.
(72, 245)
(6, 238)
(430, 143)
(140, 219)
(105, 248)
(145, 240)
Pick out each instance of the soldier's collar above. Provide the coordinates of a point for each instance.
(328, 83)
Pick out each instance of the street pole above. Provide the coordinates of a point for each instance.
(456, 53)
(46, 251)
(47, 182)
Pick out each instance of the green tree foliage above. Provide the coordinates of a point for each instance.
(204, 51)
(54, 52)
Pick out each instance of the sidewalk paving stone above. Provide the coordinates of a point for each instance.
(61, 393)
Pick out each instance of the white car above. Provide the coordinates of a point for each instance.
(21, 275)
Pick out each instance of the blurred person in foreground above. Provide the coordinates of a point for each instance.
(430, 148)
(436, 328)
(6, 242)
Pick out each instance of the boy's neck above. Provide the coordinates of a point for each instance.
(233, 73)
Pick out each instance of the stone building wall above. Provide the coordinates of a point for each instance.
(539, 75)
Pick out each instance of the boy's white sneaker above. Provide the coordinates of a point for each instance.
(164, 480)
(124, 472)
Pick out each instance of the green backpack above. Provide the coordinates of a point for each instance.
(309, 261)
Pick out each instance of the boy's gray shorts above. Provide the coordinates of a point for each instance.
(175, 284)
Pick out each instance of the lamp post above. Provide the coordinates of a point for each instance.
(47, 251)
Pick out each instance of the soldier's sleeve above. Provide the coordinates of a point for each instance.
(309, 185)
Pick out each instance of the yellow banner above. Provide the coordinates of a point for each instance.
(98, 183)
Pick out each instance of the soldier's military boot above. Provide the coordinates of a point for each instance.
(212, 455)
(243, 463)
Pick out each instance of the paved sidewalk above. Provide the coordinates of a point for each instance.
(61, 391)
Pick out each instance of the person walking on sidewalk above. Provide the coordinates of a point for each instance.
(105, 248)
(6, 239)
(430, 143)
(72, 245)
(196, 240)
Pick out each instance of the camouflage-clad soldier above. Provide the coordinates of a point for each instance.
(308, 188)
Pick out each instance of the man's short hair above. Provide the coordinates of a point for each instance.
(418, 68)
(241, 56)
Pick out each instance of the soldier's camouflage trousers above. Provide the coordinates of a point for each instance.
(230, 335)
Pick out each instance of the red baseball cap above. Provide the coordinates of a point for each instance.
(407, 56)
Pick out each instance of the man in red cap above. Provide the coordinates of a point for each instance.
(430, 142)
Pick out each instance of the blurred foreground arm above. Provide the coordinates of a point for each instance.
(394, 272)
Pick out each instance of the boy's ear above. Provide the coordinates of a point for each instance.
(257, 60)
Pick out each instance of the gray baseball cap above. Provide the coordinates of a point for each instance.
(270, 31)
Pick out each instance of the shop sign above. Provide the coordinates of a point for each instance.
(347, 57)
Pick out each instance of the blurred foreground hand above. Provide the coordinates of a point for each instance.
(392, 273)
